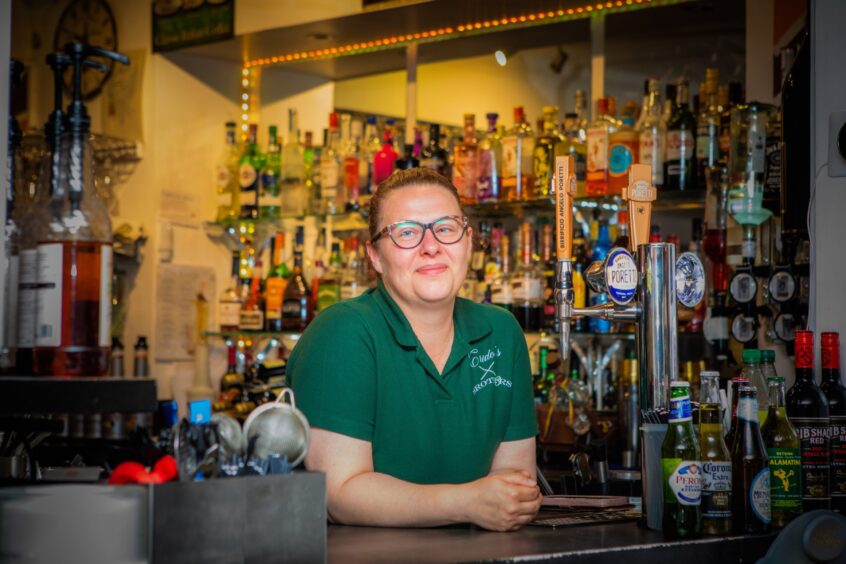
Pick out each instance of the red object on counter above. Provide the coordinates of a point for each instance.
(163, 471)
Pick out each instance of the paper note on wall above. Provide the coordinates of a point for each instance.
(177, 293)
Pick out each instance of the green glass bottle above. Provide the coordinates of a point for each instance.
(270, 199)
(784, 451)
(682, 468)
(716, 459)
(750, 469)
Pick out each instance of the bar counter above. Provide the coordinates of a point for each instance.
(613, 542)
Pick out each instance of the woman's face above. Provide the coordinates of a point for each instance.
(432, 272)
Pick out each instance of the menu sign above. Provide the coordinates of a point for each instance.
(185, 23)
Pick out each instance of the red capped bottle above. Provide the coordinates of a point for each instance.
(835, 393)
(807, 409)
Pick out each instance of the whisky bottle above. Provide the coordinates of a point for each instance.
(331, 183)
(708, 128)
(433, 156)
(680, 171)
(597, 150)
(297, 301)
(517, 150)
(248, 175)
(229, 304)
(270, 199)
(274, 285)
(465, 170)
(651, 135)
(226, 176)
(527, 285)
(548, 145)
(294, 195)
(489, 182)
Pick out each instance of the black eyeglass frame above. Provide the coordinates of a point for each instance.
(465, 223)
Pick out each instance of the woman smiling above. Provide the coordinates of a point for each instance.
(420, 402)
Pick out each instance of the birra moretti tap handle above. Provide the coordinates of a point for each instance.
(640, 193)
(565, 188)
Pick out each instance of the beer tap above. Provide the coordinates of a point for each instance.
(642, 292)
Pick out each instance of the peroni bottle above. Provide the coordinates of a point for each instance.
(716, 460)
(807, 409)
(681, 469)
(750, 469)
(835, 393)
(782, 443)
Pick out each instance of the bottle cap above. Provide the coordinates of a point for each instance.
(804, 338)
(767, 356)
(751, 356)
(804, 347)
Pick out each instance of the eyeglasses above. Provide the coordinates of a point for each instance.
(409, 234)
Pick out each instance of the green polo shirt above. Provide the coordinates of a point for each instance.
(360, 371)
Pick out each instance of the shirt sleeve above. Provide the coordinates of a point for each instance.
(332, 371)
(522, 424)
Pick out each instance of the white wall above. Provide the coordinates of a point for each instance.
(828, 75)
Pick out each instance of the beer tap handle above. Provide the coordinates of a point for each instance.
(640, 194)
(565, 187)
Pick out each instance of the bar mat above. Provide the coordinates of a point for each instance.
(579, 518)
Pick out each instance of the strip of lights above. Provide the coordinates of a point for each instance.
(471, 28)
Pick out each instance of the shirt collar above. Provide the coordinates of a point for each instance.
(469, 327)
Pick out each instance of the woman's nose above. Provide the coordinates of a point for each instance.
(429, 245)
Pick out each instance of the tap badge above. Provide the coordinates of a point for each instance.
(620, 276)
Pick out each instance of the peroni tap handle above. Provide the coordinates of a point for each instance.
(640, 194)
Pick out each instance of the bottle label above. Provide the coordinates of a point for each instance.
(759, 495)
(619, 159)
(223, 177)
(651, 152)
(680, 410)
(621, 276)
(350, 291)
(747, 409)
(706, 143)
(785, 479)
(680, 145)
(271, 200)
(597, 146)
(49, 295)
(251, 320)
(814, 443)
(291, 308)
(580, 160)
(716, 489)
(105, 336)
(224, 200)
(328, 173)
(327, 294)
(464, 174)
(682, 481)
(27, 289)
(501, 294)
(351, 173)
(838, 456)
(247, 176)
(433, 163)
(274, 289)
(228, 314)
(509, 156)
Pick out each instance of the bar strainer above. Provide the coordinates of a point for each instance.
(279, 428)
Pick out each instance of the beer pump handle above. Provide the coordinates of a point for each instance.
(565, 188)
(640, 193)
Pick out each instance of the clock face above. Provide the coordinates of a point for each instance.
(90, 22)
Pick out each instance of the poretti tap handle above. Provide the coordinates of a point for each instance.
(565, 188)
(640, 193)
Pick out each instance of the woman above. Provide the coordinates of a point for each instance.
(420, 402)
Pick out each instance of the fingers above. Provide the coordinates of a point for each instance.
(518, 477)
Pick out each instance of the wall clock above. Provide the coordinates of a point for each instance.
(91, 22)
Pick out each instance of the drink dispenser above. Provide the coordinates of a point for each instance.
(74, 257)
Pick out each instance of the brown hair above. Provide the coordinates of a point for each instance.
(403, 179)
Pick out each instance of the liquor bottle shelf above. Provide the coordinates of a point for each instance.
(45, 395)
(286, 335)
(239, 233)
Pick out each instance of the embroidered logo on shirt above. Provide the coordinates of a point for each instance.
(486, 363)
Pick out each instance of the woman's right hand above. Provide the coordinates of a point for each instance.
(504, 501)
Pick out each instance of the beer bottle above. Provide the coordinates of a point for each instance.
(782, 444)
(750, 468)
(716, 461)
(835, 393)
(807, 409)
(734, 389)
(681, 468)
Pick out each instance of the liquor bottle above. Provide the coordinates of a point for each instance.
(417, 147)
(226, 175)
(750, 469)
(752, 371)
(229, 304)
(622, 152)
(252, 309)
(579, 324)
(329, 284)
(835, 393)
(600, 251)
(597, 150)
(716, 459)
(270, 199)
(680, 165)
(548, 261)
(74, 260)
(501, 289)
(408, 160)
(311, 177)
(733, 96)
(465, 170)
(548, 145)
(580, 108)
(248, 175)
(384, 159)
(807, 410)
(708, 128)
(274, 285)
(527, 284)
(331, 183)
(652, 136)
(768, 370)
(295, 194)
(433, 156)
(489, 182)
(681, 468)
(141, 358)
(372, 145)
(364, 163)
(351, 170)
(297, 301)
(734, 395)
(783, 450)
(517, 149)
(353, 278)
(576, 146)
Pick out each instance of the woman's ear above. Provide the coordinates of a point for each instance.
(374, 256)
